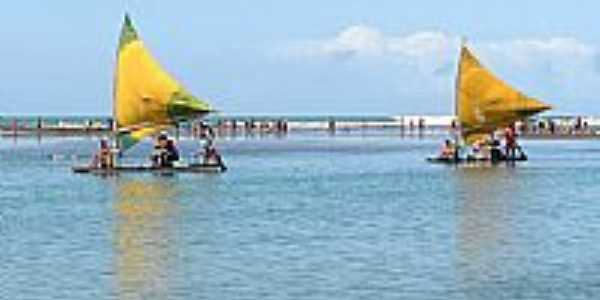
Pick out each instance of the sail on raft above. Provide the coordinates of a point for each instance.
(146, 101)
(485, 104)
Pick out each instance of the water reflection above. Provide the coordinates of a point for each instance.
(146, 238)
(485, 197)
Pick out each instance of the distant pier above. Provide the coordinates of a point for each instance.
(544, 127)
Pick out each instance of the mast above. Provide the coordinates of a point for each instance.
(458, 127)
(458, 77)
(114, 97)
(114, 93)
(115, 125)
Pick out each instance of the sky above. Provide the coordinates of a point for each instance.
(384, 57)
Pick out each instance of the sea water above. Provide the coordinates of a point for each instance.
(307, 216)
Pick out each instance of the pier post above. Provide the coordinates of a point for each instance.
(402, 126)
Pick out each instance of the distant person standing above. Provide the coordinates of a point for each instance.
(421, 124)
(578, 125)
(542, 127)
(552, 127)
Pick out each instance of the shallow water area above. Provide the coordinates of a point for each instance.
(307, 216)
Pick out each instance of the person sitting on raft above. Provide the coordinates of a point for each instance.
(495, 150)
(165, 152)
(481, 149)
(172, 153)
(211, 156)
(448, 150)
(487, 149)
(159, 149)
(104, 158)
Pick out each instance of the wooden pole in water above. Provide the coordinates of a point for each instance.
(331, 125)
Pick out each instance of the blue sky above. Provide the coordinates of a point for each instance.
(300, 57)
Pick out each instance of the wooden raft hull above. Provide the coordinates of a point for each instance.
(194, 168)
(452, 161)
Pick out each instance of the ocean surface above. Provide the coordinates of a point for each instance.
(308, 216)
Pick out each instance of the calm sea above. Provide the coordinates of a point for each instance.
(308, 216)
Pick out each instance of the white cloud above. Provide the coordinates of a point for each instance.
(427, 43)
(558, 53)
(434, 50)
(354, 41)
(364, 41)
(360, 40)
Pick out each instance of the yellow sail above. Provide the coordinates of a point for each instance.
(145, 96)
(485, 103)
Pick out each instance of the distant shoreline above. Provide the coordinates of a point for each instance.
(545, 127)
